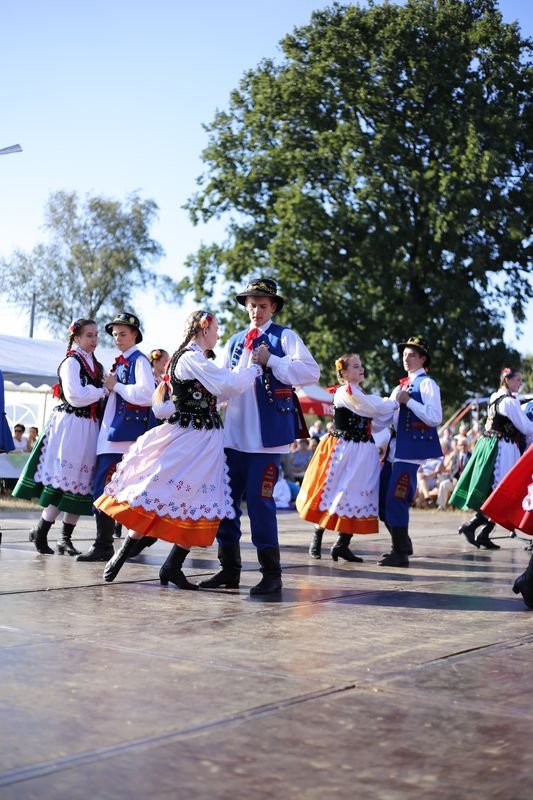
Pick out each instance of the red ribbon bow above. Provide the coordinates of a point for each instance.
(250, 337)
(119, 360)
(166, 379)
(404, 382)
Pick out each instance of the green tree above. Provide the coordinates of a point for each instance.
(94, 260)
(380, 171)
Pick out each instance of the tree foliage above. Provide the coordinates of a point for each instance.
(380, 171)
(95, 258)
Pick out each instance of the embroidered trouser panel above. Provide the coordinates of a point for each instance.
(397, 488)
(253, 477)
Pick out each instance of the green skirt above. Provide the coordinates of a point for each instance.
(28, 489)
(477, 478)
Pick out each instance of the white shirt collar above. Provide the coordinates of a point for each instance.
(84, 353)
(265, 327)
(128, 353)
(417, 372)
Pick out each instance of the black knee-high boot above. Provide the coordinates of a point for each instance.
(468, 529)
(483, 540)
(64, 543)
(269, 558)
(39, 536)
(171, 569)
(341, 550)
(315, 548)
(401, 546)
(229, 576)
(524, 584)
(114, 565)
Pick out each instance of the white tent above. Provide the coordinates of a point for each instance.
(29, 367)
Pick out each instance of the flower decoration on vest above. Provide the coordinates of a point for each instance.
(119, 360)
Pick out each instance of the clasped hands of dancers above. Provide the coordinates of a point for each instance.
(183, 479)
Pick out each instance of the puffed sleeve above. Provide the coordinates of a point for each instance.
(220, 381)
(430, 409)
(297, 366)
(511, 408)
(76, 394)
(138, 393)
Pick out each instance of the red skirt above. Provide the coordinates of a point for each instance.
(504, 505)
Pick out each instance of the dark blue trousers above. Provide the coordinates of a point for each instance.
(397, 487)
(253, 476)
(105, 467)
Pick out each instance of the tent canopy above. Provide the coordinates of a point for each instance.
(315, 400)
(35, 361)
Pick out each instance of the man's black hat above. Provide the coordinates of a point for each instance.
(126, 319)
(261, 287)
(419, 344)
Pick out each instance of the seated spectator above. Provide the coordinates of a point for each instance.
(330, 427)
(427, 482)
(19, 440)
(33, 434)
(317, 430)
(285, 492)
(299, 459)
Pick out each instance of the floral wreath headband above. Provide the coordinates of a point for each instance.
(77, 324)
(155, 355)
(507, 372)
(205, 320)
(339, 364)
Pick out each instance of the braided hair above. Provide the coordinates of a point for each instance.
(194, 323)
(76, 328)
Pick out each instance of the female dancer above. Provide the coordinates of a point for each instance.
(173, 482)
(159, 359)
(340, 487)
(494, 455)
(61, 467)
(511, 505)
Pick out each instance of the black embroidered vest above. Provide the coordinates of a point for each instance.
(351, 426)
(94, 410)
(501, 427)
(192, 401)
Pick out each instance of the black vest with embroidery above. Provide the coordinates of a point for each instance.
(93, 410)
(351, 426)
(501, 427)
(193, 403)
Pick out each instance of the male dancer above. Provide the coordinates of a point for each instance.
(259, 425)
(414, 440)
(126, 416)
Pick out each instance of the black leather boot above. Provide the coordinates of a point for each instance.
(401, 544)
(114, 565)
(117, 531)
(229, 576)
(39, 536)
(102, 549)
(341, 550)
(315, 548)
(171, 569)
(483, 540)
(64, 543)
(524, 585)
(468, 529)
(269, 558)
(140, 545)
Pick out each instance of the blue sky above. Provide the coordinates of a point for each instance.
(109, 96)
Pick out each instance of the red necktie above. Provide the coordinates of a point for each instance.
(404, 382)
(250, 337)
